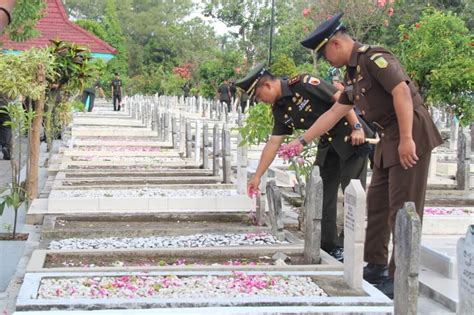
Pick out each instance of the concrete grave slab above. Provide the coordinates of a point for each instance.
(267, 310)
(330, 282)
(49, 260)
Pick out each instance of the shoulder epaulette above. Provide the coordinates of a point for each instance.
(363, 49)
(294, 80)
(375, 56)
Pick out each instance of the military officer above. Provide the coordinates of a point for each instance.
(296, 104)
(377, 84)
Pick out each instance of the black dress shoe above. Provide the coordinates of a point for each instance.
(375, 273)
(6, 153)
(386, 287)
(337, 253)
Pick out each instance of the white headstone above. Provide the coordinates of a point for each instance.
(407, 259)
(354, 233)
(465, 261)
(313, 206)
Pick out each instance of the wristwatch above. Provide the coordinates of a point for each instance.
(302, 140)
(357, 126)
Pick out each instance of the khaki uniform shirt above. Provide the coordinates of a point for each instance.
(372, 73)
(304, 99)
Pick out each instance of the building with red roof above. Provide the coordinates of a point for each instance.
(56, 25)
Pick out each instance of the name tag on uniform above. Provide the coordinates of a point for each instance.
(302, 105)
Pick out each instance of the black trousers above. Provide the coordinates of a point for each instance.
(5, 131)
(91, 97)
(336, 172)
(116, 101)
(229, 105)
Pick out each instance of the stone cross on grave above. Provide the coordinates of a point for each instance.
(465, 260)
(407, 259)
(354, 233)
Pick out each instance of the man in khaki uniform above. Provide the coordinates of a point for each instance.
(376, 83)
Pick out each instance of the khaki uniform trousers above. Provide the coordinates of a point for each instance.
(389, 189)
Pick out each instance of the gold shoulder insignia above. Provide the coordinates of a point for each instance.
(363, 49)
(381, 62)
(375, 56)
(294, 80)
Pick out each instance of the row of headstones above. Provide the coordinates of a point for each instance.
(407, 242)
(168, 125)
(146, 108)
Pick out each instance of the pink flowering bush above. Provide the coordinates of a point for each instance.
(287, 152)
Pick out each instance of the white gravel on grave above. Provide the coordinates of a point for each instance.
(189, 241)
(144, 192)
(132, 287)
(146, 159)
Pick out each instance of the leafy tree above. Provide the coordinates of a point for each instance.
(25, 16)
(258, 125)
(116, 38)
(437, 53)
(20, 79)
(212, 72)
(93, 27)
(251, 18)
(283, 66)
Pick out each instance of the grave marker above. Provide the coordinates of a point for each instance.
(197, 142)
(205, 146)
(275, 210)
(465, 261)
(313, 206)
(354, 233)
(174, 132)
(226, 157)
(189, 136)
(407, 259)
(167, 127)
(463, 160)
(215, 150)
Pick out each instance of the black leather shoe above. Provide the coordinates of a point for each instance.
(375, 273)
(337, 253)
(386, 287)
(6, 153)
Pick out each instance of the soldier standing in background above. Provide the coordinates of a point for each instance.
(116, 87)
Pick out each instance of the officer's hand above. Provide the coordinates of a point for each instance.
(296, 143)
(252, 187)
(407, 153)
(357, 137)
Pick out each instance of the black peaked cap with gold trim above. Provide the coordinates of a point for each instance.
(249, 82)
(323, 33)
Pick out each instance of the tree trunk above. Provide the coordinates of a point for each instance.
(32, 186)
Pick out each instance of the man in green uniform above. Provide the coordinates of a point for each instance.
(296, 104)
(377, 84)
